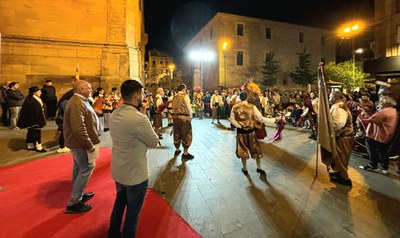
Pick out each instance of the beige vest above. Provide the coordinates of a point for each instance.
(244, 115)
(179, 107)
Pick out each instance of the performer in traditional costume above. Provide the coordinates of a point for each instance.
(158, 114)
(216, 103)
(344, 133)
(198, 101)
(280, 121)
(244, 116)
(234, 99)
(253, 92)
(32, 118)
(182, 116)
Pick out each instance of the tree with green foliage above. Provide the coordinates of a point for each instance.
(343, 72)
(270, 69)
(303, 74)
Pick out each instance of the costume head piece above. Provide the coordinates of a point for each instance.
(252, 87)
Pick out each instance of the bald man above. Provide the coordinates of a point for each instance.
(81, 134)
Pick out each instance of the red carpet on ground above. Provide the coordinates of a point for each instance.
(35, 194)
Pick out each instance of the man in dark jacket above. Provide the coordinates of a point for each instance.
(32, 118)
(50, 99)
(14, 100)
(5, 119)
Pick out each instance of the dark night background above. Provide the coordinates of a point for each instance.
(170, 24)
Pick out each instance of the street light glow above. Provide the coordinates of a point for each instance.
(201, 55)
(349, 29)
(224, 45)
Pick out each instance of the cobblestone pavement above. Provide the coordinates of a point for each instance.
(217, 200)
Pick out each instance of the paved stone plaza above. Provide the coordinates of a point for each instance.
(217, 200)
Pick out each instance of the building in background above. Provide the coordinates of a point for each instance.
(386, 45)
(159, 68)
(248, 41)
(46, 40)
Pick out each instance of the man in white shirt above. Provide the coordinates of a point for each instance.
(132, 134)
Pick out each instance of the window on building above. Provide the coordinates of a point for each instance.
(301, 37)
(239, 29)
(161, 62)
(397, 6)
(166, 63)
(211, 34)
(239, 58)
(398, 35)
(154, 63)
(268, 33)
(322, 40)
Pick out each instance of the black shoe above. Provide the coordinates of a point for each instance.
(41, 151)
(219, 122)
(177, 152)
(334, 174)
(245, 172)
(187, 157)
(78, 208)
(86, 197)
(342, 181)
(160, 137)
(260, 171)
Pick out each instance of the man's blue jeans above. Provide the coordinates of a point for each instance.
(81, 173)
(131, 198)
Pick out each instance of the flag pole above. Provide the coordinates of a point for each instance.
(316, 162)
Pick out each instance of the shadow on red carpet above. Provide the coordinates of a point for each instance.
(35, 194)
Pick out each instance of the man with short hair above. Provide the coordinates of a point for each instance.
(15, 99)
(243, 116)
(49, 97)
(81, 135)
(132, 134)
(182, 119)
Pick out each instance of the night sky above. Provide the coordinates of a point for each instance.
(170, 24)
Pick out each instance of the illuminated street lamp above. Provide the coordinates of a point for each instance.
(350, 30)
(200, 56)
(224, 46)
(171, 68)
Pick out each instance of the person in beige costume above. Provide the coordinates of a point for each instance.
(243, 116)
(182, 116)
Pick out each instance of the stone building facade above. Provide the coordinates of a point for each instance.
(248, 41)
(157, 66)
(387, 28)
(45, 39)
